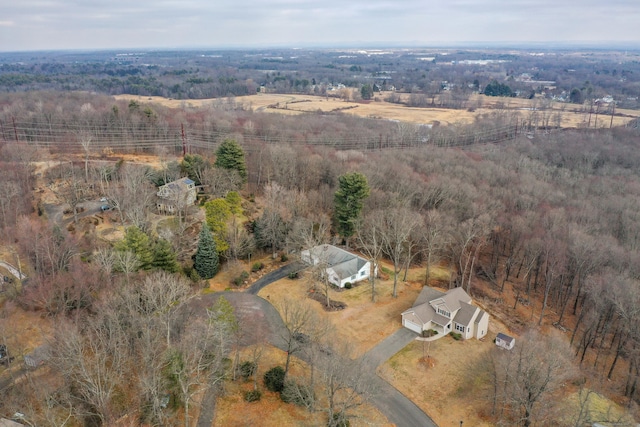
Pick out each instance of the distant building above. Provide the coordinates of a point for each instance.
(176, 195)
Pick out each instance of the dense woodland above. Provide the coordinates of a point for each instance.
(438, 77)
(554, 217)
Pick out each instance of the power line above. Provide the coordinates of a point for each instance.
(67, 136)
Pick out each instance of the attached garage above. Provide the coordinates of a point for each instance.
(411, 325)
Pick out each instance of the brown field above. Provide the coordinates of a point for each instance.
(571, 114)
(22, 331)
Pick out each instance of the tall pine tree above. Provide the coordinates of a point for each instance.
(353, 188)
(206, 261)
(164, 257)
(231, 156)
(137, 241)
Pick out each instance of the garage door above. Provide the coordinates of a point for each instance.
(413, 326)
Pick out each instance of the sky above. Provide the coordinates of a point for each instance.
(27, 25)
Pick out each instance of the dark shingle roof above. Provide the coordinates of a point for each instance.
(505, 338)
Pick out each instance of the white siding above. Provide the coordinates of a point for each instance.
(482, 327)
(410, 325)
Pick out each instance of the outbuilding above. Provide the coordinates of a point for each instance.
(505, 341)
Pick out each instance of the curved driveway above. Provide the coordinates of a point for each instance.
(13, 270)
(394, 405)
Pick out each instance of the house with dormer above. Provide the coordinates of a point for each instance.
(445, 312)
(340, 266)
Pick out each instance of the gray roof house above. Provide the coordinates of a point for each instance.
(445, 312)
(176, 195)
(339, 265)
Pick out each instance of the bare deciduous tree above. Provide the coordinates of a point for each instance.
(398, 225)
(522, 381)
(346, 384)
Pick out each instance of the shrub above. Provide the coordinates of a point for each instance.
(284, 258)
(252, 396)
(298, 394)
(239, 280)
(348, 285)
(274, 379)
(194, 276)
(257, 266)
(429, 333)
(340, 420)
(456, 336)
(247, 369)
(294, 275)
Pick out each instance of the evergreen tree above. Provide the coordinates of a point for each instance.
(576, 96)
(206, 260)
(497, 89)
(231, 156)
(164, 257)
(366, 92)
(349, 200)
(235, 202)
(217, 214)
(136, 241)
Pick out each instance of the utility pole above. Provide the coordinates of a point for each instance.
(184, 140)
(15, 131)
(613, 111)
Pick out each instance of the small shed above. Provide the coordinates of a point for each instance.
(505, 341)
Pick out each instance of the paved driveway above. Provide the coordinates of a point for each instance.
(13, 270)
(388, 347)
(275, 275)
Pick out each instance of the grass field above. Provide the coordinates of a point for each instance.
(570, 115)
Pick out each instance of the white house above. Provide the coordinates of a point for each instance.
(339, 265)
(505, 341)
(445, 312)
(176, 195)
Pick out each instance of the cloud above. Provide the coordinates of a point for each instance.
(67, 24)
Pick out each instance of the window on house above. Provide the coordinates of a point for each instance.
(443, 312)
(459, 328)
(362, 273)
(353, 277)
